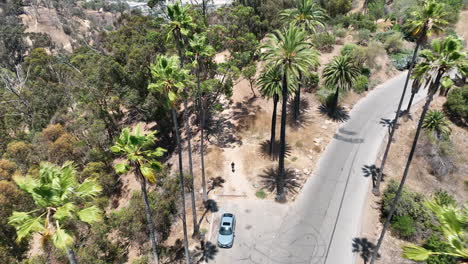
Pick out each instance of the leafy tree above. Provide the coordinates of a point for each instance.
(135, 146)
(170, 80)
(336, 7)
(269, 83)
(452, 221)
(200, 50)
(424, 21)
(310, 17)
(435, 122)
(57, 195)
(446, 55)
(340, 73)
(249, 74)
(289, 51)
(180, 25)
(12, 44)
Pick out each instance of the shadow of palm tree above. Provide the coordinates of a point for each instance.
(303, 119)
(265, 149)
(336, 114)
(270, 177)
(373, 171)
(175, 253)
(216, 182)
(210, 206)
(205, 252)
(364, 247)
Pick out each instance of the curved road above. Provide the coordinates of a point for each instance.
(319, 226)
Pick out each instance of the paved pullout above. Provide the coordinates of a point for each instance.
(318, 228)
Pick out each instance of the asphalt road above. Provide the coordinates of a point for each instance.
(319, 227)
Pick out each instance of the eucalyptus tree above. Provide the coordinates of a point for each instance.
(139, 157)
(59, 198)
(200, 50)
(446, 55)
(310, 16)
(288, 50)
(269, 83)
(340, 73)
(424, 21)
(170, 80)
(180, 24)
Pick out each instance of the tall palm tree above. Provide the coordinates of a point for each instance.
(135, 147)
(269, 83)
(170, 80)
(310, 17)
(451, 221)
(180, 23)
(200, 49)
(289, 51)
(446, 55)
(436, 123)
(341, 73)
(56, 193)
(423, 22)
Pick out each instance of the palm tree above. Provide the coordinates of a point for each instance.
(289, 51)
(451, 223)
(423, 22)
(138, 156)
(180, 24)
(56, 193)
(341, 73)
(171, 80)
(269, 84)
(446, 55)
(310, 17)
(436, 123)
(200, 49)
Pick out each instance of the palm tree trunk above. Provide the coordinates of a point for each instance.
(182, 185)
(410, 102)
(149, 218)
(273, 124)
(297, 98)
(376, 189)
(280, 179)
(335, 99)
(408, 164)
(71, 256)
(202, 128)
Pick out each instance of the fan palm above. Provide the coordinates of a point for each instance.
(138, 156)
(59, 197)
(200, 49)
(445, 55)
(340, 73)
(310, 17)
(170, 80)
(289, 51)
(451, 221)
(436, 122)
(269, 83)
(180, 23)
(425, 21)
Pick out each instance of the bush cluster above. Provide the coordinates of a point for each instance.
(401, 60)
(357, 21)
(456, 105)
(362, 84)
(323, 41)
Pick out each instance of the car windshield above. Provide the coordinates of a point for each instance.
(225, 231)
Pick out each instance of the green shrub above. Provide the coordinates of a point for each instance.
(401, 60)
(436, 244)
(310, 81)
(456, 105)
(357, 21)
(393, 43)
(444, 198)
(362, 36)
(337, 7)
(409, 205)
(339, 31)
(348, 49)
(404, 225)
(323, 94)
(260, 194)
(362, 84)
(367, 56)
(376, 9)
(323, 41)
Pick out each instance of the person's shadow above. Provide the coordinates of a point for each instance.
(364, 247)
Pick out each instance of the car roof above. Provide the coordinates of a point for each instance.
(227, 218)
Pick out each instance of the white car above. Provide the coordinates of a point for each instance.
(227, 229)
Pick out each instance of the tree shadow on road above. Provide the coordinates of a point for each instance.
(364, 247)
(338, 114)
(214, 183)
(372, 170)
(265, 150)
(270, 177)
(205, 252)
(210, 206)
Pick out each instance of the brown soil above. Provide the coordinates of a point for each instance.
(419, 179)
